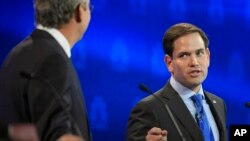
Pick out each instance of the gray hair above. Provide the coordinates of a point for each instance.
(55, 13)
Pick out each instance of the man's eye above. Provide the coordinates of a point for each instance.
(183, 55)
(200, 52)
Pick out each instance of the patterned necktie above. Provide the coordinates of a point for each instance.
(201, 118)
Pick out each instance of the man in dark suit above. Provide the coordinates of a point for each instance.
(39, 85)
(187, 58)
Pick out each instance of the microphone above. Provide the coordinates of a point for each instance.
(32, 76)
(147, 90)
(247, 104)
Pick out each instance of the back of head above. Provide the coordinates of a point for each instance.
(55, 13)
(178, 30)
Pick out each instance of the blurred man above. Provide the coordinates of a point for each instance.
(39, 84)
(198, 114)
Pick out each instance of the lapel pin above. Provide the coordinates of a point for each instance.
(214, 101)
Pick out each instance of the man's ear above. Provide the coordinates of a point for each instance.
(79, 12)
(208, 55)
(168, 62)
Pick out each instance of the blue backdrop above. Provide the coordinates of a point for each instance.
(122, 48)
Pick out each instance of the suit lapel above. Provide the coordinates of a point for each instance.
(216, 110)
(181, 112)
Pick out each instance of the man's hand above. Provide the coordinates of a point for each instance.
(156, 134)
(69, 137)
(23, 132)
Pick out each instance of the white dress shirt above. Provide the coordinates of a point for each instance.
(186, 95)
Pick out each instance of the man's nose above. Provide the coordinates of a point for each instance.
(193, 60)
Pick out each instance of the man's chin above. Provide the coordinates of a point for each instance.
(196, 83)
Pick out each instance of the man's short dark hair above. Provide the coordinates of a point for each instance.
(178, 30)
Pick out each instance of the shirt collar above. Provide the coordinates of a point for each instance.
(184, 92)
(59, 37)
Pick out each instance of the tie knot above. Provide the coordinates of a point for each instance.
(197, 99)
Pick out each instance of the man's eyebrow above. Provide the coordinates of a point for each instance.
(200, 49)
(183, 52)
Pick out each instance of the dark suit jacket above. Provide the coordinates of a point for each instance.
(39, 85)
(150, 112)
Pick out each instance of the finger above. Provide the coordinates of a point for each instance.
(164, 133)
(151, 137)
(155, 131)
(69, 137)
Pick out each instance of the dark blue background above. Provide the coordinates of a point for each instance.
(122, 48)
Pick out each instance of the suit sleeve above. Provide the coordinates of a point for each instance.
(49, 99)
(142, 119)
